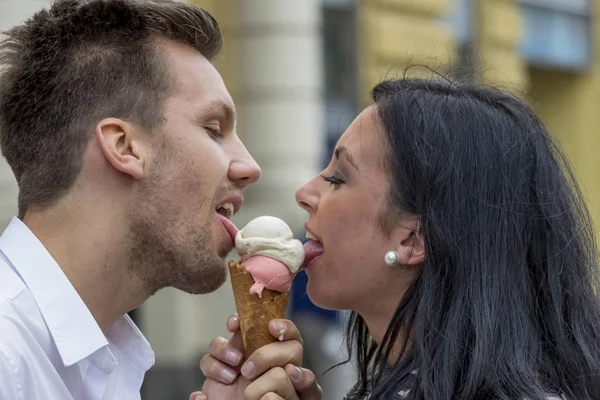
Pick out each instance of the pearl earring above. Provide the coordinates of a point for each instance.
(391, 258)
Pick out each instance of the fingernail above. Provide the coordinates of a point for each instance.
(227, 375)
(278, 326)
(233, 319)
(296, 373)
(233, 357)
(248, 369)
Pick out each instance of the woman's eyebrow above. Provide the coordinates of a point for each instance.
(342, 151)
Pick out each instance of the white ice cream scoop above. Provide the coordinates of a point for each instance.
(271, 237)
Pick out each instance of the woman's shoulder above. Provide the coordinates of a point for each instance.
(402, 389)
(403, 394)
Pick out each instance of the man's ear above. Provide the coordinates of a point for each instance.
(411, 250)
(121, 146)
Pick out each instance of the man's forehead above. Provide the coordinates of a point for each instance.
(198, 83)
(194, 75)
(206, 91)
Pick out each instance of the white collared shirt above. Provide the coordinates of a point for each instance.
(50, 345)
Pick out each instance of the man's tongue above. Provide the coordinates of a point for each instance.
(229, 226)
(312, 249)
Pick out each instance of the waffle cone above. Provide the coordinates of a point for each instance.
(255, 313)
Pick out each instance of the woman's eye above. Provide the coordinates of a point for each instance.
(332, 180)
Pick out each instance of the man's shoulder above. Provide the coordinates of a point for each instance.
(22, 345)
(21, 324)
(25, 343)
(15, 340)
(11, 285)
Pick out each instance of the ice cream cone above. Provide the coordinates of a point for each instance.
(255, 312)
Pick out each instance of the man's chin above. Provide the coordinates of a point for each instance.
(224, 251)
(206, 283)
(201, 290)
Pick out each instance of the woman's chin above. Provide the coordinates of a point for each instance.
(322, 297)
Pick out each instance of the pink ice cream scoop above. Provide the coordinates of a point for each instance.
(268, 273)
(269, 253)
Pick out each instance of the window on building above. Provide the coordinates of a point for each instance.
(557, 33)
(460, 20)
(340, 55)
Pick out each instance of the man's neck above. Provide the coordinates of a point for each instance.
(90, 249)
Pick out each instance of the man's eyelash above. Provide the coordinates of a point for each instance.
(215, 132)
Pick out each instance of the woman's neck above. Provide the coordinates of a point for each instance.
(377, 329)
(379, 314)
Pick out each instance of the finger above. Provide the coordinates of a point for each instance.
(198, 396)
(284, 329)
(274, 381)
(272, 355)
(209, 386)
(236, 342)
(215, 369)
(304, 382)
(233, 323)
(272, 396)
(223, 350)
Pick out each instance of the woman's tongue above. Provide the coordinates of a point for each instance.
(312, 249)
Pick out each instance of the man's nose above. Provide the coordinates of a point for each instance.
(243, 169)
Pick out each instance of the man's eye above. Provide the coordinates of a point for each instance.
(214, 132)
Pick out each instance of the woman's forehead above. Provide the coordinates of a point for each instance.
(363, 138)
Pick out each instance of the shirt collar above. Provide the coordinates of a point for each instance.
(126, 336)
(72, 326)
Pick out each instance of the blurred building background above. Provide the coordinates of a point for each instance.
(299, 72)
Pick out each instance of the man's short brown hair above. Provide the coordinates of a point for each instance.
(79, 61)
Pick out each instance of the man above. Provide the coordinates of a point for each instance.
(121, 136)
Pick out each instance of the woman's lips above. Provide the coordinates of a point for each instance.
(312, 249)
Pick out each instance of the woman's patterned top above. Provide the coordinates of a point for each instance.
(402, 393)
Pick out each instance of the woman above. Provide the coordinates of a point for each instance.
(452, 227)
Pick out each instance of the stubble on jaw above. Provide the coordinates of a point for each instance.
(166, 252)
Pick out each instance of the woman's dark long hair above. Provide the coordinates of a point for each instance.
(506, 304)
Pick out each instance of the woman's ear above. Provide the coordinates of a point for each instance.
(411, 250)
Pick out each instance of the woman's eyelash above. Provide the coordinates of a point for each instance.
(332, 180)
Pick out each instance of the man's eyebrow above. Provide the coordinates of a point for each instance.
(224, 108)
(342, 151)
